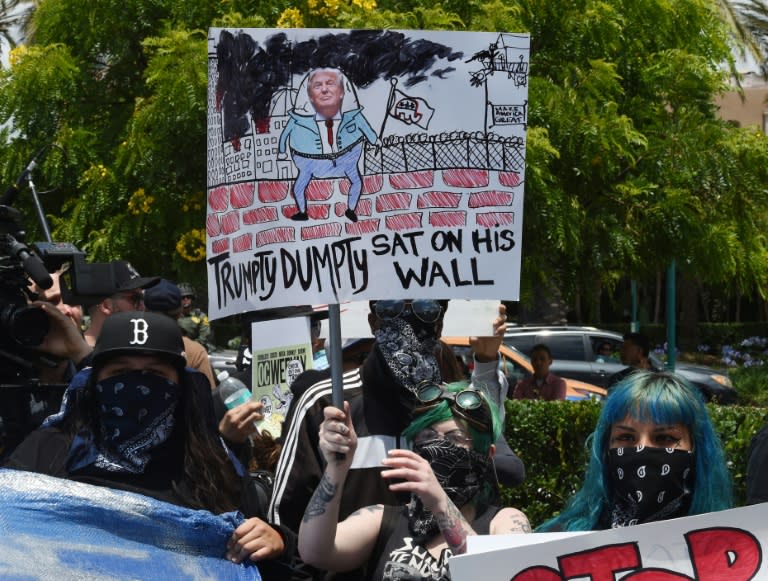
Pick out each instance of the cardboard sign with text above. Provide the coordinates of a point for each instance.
(721, 546)
(404, 179)
(282, 350)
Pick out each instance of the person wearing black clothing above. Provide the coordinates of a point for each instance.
(635, 353)
(382, 398)
(445, 474)
(138, 420)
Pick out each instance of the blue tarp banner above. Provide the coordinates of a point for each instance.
(52, 528)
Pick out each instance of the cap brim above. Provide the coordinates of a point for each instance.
(141, 282)
(99, 358)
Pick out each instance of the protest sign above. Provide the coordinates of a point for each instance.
(721, 546)
(282, 350)
(59, 529)
(401, 177)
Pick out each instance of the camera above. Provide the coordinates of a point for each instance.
(21, 327)
(24, 399)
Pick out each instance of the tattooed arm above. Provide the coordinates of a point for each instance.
(323, 541)
(418, 478)
(454, 527)
(508, 521)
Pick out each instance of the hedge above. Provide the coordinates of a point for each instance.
(712, 334)
(550, 438)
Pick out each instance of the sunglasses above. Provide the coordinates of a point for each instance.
(136, 299)
(455, 437)
(426, 310)
(468, 404)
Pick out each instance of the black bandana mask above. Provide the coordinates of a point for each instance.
(649, 484)
(460, 472)
(409, 351)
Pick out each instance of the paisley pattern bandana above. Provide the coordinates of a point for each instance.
(649, 484)
(409, 351)
(461, 473)
(135, 414)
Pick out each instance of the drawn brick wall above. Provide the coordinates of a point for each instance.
(245, 218)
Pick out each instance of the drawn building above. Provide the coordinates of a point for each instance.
(266, 138)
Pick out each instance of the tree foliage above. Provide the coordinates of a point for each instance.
(628, 165)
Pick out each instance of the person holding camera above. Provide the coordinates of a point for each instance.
(124, 292)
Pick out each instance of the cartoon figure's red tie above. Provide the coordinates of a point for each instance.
(329, 127)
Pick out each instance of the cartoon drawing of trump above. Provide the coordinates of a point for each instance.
(325, 133)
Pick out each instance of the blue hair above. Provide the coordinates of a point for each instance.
(662, 398)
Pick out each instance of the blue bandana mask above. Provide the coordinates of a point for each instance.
(135, 414)
(132, 403)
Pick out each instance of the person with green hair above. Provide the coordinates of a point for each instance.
(654, 455)
(448, 473)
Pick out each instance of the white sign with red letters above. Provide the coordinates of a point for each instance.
(721, 546)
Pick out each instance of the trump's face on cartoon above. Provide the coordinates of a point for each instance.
(326, 92)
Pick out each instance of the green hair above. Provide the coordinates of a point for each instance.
(442, 412)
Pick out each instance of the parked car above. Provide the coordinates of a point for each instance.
(515, 365)
(223, 360)
(576, 354)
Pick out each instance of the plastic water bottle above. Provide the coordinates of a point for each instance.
(232, 391)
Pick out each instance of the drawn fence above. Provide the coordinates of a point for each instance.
(445, 151)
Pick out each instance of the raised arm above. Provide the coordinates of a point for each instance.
(419, 479)
(63, 339)
(486, 374)
(323, 541)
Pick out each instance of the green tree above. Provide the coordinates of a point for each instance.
(627, 164)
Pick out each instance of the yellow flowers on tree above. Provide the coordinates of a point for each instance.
(627, 163)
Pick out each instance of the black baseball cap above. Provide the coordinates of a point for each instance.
(127, 278)
(140, 333)
(164, 296)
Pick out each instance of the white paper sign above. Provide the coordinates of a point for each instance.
(721, 546)
(364, 164)
(282, 350)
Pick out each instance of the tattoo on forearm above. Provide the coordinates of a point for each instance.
(324, 493)
(451, 524)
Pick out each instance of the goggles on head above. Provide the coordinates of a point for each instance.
(468, 404)
(426, 310)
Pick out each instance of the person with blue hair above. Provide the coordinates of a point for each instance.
(448, 473)
(654, 455)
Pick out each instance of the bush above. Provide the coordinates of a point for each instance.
(550, 438)
(752, 384)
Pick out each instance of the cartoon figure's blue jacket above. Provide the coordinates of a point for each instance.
(304, 134)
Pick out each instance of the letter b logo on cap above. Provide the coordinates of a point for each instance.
(140, 334)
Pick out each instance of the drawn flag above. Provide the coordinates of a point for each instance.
(411, 110)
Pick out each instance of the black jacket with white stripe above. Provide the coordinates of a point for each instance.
(380, 410)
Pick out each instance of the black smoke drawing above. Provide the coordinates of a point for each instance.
(250, 73)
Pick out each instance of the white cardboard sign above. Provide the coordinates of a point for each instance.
(720, 546)
(408, 185)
